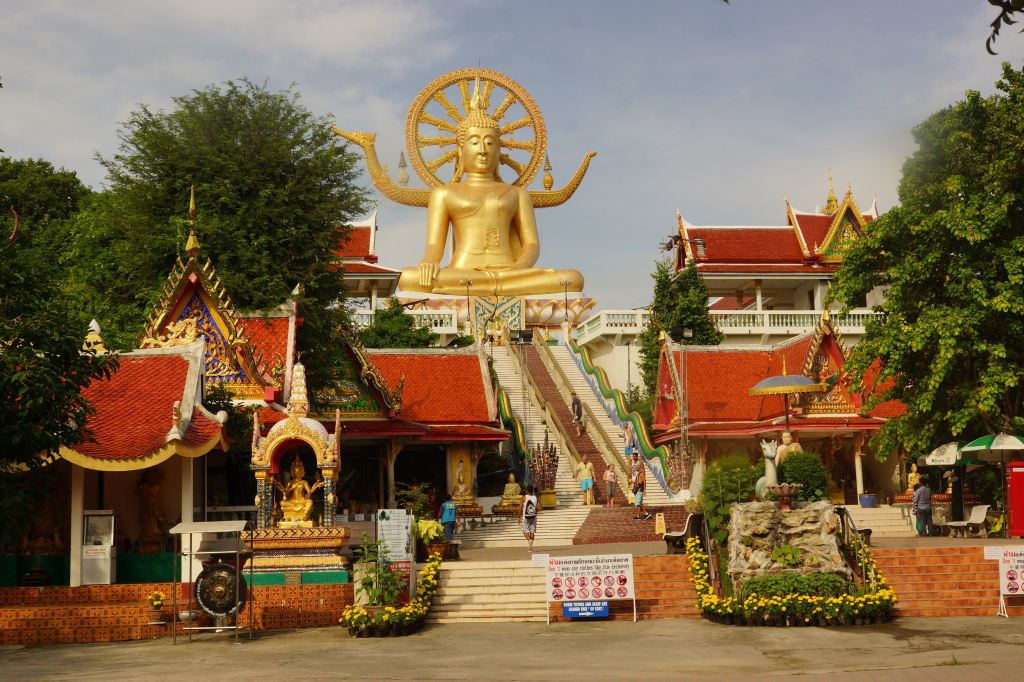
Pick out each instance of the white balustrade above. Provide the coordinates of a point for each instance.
(441, 321)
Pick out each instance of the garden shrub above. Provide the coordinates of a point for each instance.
(813, 584)
(808, 469)
(727, 480)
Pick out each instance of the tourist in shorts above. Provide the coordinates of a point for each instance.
(639, 488)
(529, 515)
(609, 483)
(577, 413)
(585, 475)
(449, 517)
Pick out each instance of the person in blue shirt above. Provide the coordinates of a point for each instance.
(921, 506)
(449, 515)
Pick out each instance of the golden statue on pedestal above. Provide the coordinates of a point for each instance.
(511, 502)
(297, 497)
(494, 231)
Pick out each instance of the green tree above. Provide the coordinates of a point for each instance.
(951, 256)
(274, 188)
(680, 303)
(42, 367)
(392, 327)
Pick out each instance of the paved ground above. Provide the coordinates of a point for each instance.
(909, 649)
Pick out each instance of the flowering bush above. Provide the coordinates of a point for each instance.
(396, 619)
(428, 530)
(793, 609)
(156, 600)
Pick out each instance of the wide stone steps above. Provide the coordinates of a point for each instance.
(655, 494)
(489, 591)
(555, 528)
(884, 522)
(943, 581)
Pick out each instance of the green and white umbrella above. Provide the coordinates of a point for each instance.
(944, 455)
(992, 448)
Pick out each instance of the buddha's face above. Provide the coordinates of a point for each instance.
(787, 438)
(511, 478)
(480, 150)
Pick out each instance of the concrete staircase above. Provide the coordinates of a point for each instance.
(555, 528)
(884, 522)
(655, 495)
(944, 581)
(506, 366)
(489, 591)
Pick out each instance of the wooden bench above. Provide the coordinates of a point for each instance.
(974, 524)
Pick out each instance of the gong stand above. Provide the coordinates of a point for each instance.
(220, 588)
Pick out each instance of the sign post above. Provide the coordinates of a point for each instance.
(394, 527)
(1011, 576)
(585, 584)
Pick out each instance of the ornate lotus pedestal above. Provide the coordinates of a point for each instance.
(305, 550)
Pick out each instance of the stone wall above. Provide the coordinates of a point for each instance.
(757, 528)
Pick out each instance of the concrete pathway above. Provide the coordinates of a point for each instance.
(908, 649)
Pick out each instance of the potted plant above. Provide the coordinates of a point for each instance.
(156, 602)
(431, 534)
(376, 583)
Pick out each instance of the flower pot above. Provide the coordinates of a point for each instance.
(157, 617)
(548, 499)
(868, 501)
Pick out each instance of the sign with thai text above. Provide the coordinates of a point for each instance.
(585, 609)
(1011, 571)
(588, 578)
(394, 527)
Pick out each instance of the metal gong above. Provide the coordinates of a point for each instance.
(215, 590)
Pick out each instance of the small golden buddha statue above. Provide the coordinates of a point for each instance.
(463, 497)
(297, 497)
(511, 502)
(913, 478)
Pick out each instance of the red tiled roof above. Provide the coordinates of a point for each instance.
(465, 432)
(268, 337)
(439, 387)
(201, 429)
(269, 416)
(814, 227)
(357, 245)
(729, 303)
(766, 268)
(760, 244)
(133, 408)
(367, 268)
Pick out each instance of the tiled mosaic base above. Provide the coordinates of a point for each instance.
(106, 613)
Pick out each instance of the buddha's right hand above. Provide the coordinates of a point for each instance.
(428, 272)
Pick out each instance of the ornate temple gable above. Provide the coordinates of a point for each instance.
(358, 389)
(792, 221)
(825, 360)
(847, 226)
(194, 304)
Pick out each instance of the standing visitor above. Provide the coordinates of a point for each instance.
(449, 517)
(529, 516)
(577, 413)
(585, 475)
(921, 505)
(639, 487)
(609, 484)
(627, 436)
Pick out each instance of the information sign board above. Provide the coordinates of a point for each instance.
(1011, 571)
(394, 527)
(585, 609)
(584, 578)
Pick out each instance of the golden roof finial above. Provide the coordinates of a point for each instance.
(298, 404)
(192, 245)
(831, 203)
(403, 174)
(849, 190)
(549, 181)
(94, 339)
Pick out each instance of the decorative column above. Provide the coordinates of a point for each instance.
(77, 511)
(858, 469)
(329, 499)
(264, 500)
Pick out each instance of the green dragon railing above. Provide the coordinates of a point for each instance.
(512, 423)
(643, 437)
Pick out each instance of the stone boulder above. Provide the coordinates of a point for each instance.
(756, 529)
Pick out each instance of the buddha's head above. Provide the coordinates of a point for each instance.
(511, 478)
(461, 479)
(298, 470)
(478, 139)
(787, 438)
(913, 468)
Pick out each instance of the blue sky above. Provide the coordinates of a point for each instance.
(714, 109)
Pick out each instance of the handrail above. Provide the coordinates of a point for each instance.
(709, 547)
(553, 425)
(510, 421)
(643, 437)
(849, 539)
(605, 444)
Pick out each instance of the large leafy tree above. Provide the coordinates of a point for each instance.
(274, 188)
(951, 342)
(680, 303)
(42, 367)
(392, 327)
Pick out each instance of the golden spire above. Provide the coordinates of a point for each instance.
(549, 181)
(403, 174)
(298, 404)
(192, 245)
(831, 203)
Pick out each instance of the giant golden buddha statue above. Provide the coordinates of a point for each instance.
(495, 242)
